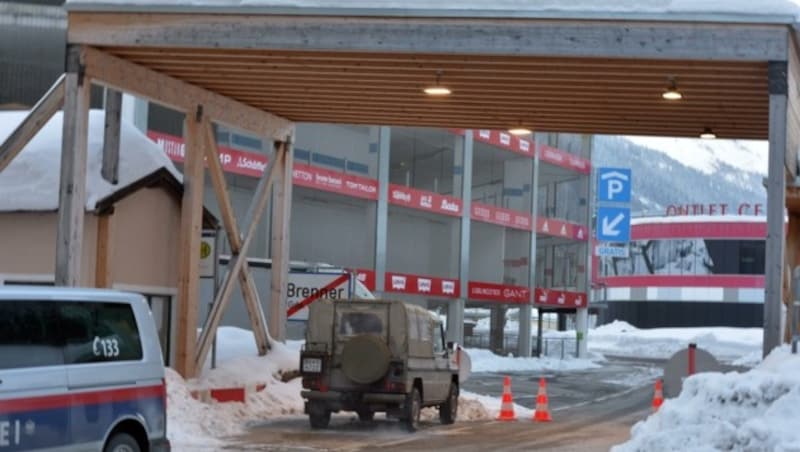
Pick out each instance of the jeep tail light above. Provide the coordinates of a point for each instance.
(395, 386)
(311, 383)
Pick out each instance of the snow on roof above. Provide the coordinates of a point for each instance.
(780, 11)
(683, 219)
(31, 181)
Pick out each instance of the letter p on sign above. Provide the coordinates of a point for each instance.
(614, 185)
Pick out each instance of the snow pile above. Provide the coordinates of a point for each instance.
(753, 411)
(191, 423)
(623, 339)
(194, 424)
(238, 362)
(484, 408)
(486, 361)
(31, 181)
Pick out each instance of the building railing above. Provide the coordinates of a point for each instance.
(552, 347)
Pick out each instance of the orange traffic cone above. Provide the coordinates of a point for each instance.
(542, 413)
(658, 396)
(507, 408)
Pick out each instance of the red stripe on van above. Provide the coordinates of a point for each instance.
(80, 398)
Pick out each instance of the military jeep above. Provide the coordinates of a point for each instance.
(373, 356)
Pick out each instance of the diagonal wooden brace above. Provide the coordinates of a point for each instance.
(249, 292)
(47, 106)
(237, 261)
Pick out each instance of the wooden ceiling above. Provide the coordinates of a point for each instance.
(584, 95)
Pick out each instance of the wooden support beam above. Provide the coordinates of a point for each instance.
(249, 292)
(125, 76)
(104, 271)
(254, 213)
(191, 232)
(111, 136)
(72, 186)
(282, 207)
(776, 202)
(47, 106)
(436, 34)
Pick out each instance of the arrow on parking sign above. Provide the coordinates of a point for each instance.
(613, 224)
(610, 227)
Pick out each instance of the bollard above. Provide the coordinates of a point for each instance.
(692, 349)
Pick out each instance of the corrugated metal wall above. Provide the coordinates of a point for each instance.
(32, 44)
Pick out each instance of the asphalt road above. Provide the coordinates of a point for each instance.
(592, 410)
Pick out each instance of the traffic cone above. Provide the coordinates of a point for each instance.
(507, 408)
(542, 413)
(658, 396)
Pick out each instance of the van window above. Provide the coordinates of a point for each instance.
(97, 332)
(45, 333)
(30, 335)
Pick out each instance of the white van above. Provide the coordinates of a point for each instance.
(80, 369)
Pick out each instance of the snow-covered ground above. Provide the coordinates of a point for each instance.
(753, 411)
(739, 345)
(486, 361)
(195, 425)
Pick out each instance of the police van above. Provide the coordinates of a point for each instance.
(80, 369)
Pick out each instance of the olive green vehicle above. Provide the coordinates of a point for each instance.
(373, 356)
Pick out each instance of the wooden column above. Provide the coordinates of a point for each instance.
(281, 213)
(191, 231)
(111, 136)
(776, 201)
(72, 185)
(104, 272)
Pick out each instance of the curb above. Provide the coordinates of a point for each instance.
(227, 395)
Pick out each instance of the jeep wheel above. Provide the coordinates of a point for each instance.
(448, 411)
(318, 415)
(413, 408)
(365, 415)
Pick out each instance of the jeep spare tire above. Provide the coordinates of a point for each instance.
(365, 359)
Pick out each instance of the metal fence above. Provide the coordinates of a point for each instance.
(553, 347)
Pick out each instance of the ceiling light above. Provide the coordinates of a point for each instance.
(672, 93)
(708, 134)
(438, 89)
(519, 131)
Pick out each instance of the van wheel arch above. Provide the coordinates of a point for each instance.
(133, 428)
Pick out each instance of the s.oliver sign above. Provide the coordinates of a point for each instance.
(423, 200)
(559, 298)
(232, 161)
(253, 165)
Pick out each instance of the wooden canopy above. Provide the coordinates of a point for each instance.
(261, 71)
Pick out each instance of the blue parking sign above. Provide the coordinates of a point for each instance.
(614, 184)
(613, 224)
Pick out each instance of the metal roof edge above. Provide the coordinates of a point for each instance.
(713, 17)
